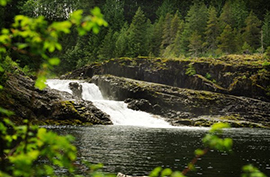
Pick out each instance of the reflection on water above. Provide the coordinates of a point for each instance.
(137, 150)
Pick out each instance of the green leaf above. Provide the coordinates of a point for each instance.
(155, 172)
(166, 172)
(199, 152)
(40, 82)
(54, 61)
(1, 69)
(3, 2)
(6, 112)
(177, 174)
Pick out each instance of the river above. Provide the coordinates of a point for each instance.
(138, 142)
(137, 150)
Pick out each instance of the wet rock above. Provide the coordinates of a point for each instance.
(141, 104)
(76, 89)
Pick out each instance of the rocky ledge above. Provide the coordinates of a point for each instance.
(46, 106)
(240, 75)
(185, 106)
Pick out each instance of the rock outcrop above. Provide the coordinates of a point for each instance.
(185, 106)
(238, 75)
(47, 106)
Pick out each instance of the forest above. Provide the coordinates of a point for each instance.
(167, 29)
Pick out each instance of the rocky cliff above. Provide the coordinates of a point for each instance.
(235, 75)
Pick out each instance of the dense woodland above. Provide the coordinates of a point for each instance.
(169, 28)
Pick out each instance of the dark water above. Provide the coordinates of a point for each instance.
(138, 150)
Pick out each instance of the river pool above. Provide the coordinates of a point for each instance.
(136, 150)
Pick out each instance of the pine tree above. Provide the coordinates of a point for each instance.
(226, 40)
(169, 35)
(252, 31)
(157, 37)
(136, 35)
(212, 31)
(166, 8)
(106, 51)
(196, 20)
(233, 13)
(166, 33)
(121, 42)
(195, 44)
(114, 14)
(266, 30)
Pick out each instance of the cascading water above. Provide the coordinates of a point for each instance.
(120, 114)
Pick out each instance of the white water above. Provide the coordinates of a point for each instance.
(120, 114)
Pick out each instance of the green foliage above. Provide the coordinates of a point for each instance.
(251, 171)
(136, 35)
(252, 33)
(4, 2)
(212, 30)
(190, 71)
(266, 30)
(40, 38)
(226, 40)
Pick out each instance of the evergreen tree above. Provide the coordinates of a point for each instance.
(166, 33)
(114, 14)
(166, 8)
(252, 31)
(266, 30)
(107, 48)
(196, 20)
(176, 46)
(238, 41)
(169, 34)
(195, 44)
(136, 35)
(121, 42)
(156, 40)
(212, 31)
(234, 13)
(226, 40)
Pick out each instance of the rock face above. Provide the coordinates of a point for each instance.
(185, 106)
(235, 75)
(47, 106)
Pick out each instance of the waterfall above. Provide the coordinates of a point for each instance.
(118, 110)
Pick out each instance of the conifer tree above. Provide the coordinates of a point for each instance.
(169, 35)
(121, 42)
(196, 19)
(106, 51)
(114, 14)
(166, 33)
(233, 13)
(266, 30)
(226, 40)
(195, 44)
(252, 31)
(156, 39)
(212, 31)
(166, 8)
(136, 35)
